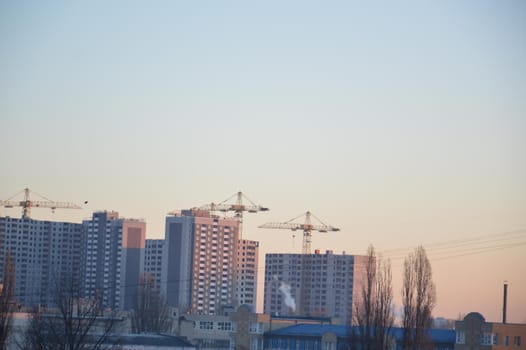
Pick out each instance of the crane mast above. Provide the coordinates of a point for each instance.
(27, 203)
(238, 208)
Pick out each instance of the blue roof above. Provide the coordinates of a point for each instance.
(149, 339)
(305, 318)
(343, 331)
(437, 335)
(312, 330)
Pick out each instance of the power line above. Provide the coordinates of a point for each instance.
(473, 245)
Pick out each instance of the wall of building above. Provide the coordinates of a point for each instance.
(319, 285)
(207, 331)
(44, 252)
(153, 260)
(247, 272)
(282, 275)
(113, 258)
(133, 243)
(232, 329)
(214, 264)
(509, 335)
(178, 255)
(473, 332)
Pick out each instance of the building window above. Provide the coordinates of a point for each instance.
(206, 325)
(328, 346)
(496, 339)
(517, 341)
(485, 338)
(256, 327)
(507, 340)
(224, 326)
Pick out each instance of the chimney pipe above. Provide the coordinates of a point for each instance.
(504, 302)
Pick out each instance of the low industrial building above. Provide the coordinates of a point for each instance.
(232, 329)
(473, 332)
(236, 329)
(338, 337)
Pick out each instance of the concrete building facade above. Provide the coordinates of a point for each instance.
(113, 258)
(176, 274)
(318, 285)
(247, 272)
(44, 252)
(153, 260)
(214, 264)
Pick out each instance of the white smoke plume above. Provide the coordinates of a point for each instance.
(289, 300)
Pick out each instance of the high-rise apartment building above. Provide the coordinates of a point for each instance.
(44, 252)
(176, 275)
(113, 258)
(214, 270)
(199, 275)
(153, 260)
(247, 272)
(321, 285)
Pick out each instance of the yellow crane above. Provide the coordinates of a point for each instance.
(27, 203)
(306, 226)
(237, 207)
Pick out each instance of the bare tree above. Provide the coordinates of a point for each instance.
(418, 297)
(151, 312)
(383, 317)
(7, 302)
(374, 313)
(363, 314)
(75, 324)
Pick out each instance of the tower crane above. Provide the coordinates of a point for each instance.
(27, 203)
(307, 228)
(237, 207)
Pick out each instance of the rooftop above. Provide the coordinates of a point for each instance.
(343, 331)
(150, 339)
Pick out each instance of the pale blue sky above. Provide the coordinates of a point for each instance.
(402, 123)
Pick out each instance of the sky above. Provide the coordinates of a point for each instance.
(401, 123)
